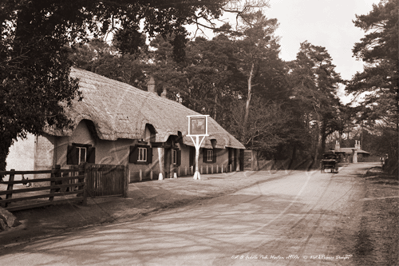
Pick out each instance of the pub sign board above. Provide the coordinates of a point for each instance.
(198, 125)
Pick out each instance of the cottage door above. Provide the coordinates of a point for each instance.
(235, 160)
(168, 162)
(232, 161)
(192, 157)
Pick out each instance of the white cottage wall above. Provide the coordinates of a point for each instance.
(81, 135)
(143, 171)
(22, 155)
(50, 151)
(44, 152)
(222, 161)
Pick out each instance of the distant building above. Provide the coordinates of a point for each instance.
(351, 154)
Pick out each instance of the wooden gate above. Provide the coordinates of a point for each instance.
(106, 180)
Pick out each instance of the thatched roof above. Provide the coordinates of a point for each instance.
(121, 111)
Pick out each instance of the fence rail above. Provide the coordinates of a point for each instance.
(64, 184)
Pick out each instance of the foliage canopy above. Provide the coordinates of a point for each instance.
(34, 62)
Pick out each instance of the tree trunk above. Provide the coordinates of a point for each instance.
(361, 136)
(255, 160)
(216, 106)
(323, 137)
(5, 145)
(293, 156)
(316, 154)
(247, 105)
(319, 138)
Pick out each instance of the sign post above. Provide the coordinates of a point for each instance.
(197, 131)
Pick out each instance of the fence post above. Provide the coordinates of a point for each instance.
(55, 173)
(10, 186)
(83, 170)
(126, 181)
(84, 201)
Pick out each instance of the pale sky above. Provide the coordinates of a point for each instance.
(326, 23)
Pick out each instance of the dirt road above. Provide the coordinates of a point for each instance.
(304, 218)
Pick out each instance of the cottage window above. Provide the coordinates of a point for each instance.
(80, 153)
(209, 156)
(176, 157)
(140, 154)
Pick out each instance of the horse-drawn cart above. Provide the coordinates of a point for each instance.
(330, 161)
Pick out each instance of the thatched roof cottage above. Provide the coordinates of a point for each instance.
(117, 123)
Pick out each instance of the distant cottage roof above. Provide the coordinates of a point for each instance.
(121, 111)
(350, 150)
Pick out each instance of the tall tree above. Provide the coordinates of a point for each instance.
(34, 65)
(379, 80)
(256, 44)
(314, 84)
(212, 75)
(379, 51)
(203, 80)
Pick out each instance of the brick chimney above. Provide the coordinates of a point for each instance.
(151, 85)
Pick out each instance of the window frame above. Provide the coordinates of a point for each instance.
(80, 154)
(135, 156)
(209, 156)
(75, 153)
(142, 152)
(174, 157)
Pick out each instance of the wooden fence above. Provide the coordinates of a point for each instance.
(105, 180)
(149, 174)
(63, 186)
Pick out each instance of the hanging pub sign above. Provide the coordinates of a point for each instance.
(198, 125)
(197, 131)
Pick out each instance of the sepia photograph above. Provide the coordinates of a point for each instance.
(199, 132)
